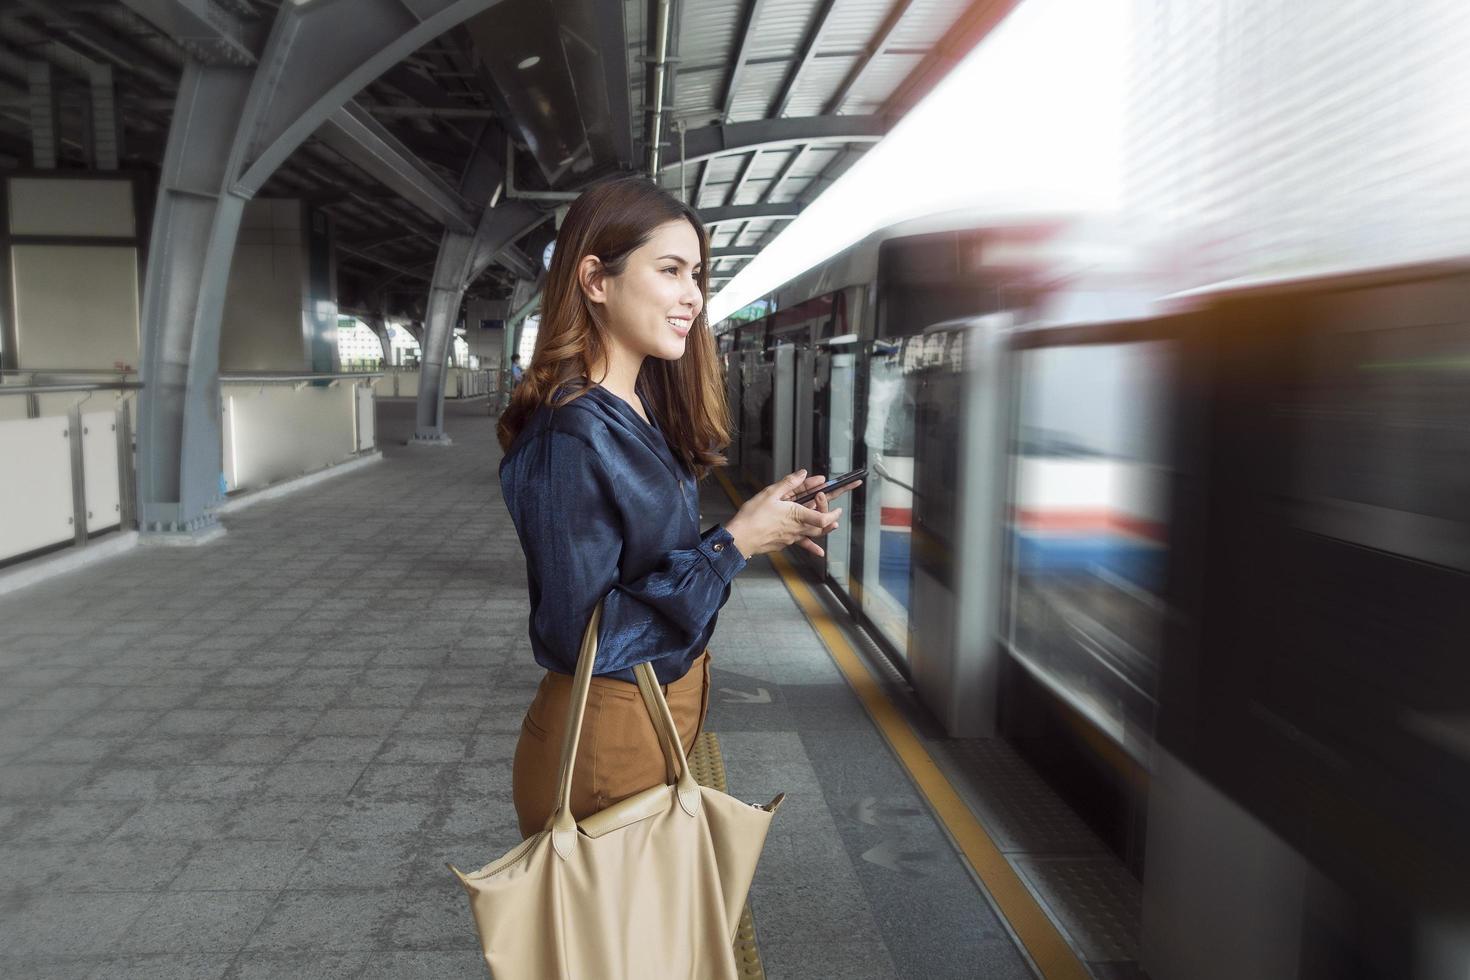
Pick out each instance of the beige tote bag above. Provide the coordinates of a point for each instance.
(649, 889)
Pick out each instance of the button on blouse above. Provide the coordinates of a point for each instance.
(605, 511)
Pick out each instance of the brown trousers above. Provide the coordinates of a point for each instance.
(618, 754)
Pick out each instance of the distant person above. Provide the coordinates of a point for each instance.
(604, 444)
(516, 370)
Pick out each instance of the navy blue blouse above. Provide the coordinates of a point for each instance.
(603, 508)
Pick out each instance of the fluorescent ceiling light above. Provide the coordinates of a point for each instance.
(1030, 122)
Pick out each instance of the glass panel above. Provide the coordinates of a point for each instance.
(756, 419)
(889, 437)
(1089, 510)
(836, 382)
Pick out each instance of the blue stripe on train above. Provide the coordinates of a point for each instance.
(1138, 561)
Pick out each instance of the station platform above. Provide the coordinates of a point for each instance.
(253, 758)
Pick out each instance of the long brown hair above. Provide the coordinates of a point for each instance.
(610, 220)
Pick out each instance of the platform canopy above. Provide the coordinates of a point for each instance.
(764, 104)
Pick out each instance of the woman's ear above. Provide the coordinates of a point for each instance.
(593, 278)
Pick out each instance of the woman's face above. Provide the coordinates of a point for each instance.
(651, 306)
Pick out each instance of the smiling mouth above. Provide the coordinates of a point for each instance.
(680, 324)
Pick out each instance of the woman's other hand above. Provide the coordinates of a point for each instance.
(771, 520)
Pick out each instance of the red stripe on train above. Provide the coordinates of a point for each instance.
(1087, 520)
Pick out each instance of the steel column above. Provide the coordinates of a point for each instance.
(378, 324)
(445, 296)
(462, 258)
(194, 229)
(232, 127)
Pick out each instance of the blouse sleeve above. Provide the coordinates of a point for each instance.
(573, 539)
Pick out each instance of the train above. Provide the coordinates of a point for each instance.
(1202, 555)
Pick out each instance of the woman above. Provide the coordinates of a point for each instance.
(620, 414)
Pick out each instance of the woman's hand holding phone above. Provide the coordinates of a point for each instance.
(771, 520)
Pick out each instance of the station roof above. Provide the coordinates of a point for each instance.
(766, 103)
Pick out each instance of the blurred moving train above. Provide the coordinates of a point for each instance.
(1206, 563)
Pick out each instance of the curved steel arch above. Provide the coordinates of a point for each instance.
(232, 127)
(724, 139)
(765, 210)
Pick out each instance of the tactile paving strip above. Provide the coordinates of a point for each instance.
(1020, 810)
(1098, 901)
(708, 767)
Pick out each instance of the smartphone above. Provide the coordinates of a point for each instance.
(831, 485)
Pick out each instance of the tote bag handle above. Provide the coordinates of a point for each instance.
(563, 825)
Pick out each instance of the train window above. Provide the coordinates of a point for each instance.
(929, 279)
(1088, 512)
(887, 523)
(1381, 418)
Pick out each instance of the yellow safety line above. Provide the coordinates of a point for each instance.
(1048, 949)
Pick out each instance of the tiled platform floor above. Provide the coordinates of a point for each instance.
(252, 759)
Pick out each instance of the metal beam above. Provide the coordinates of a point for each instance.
(750, 212)
(211, 34)
(875, 48)
(430, 96)
(402, 270)
(517, 262)
(739, 184)
(718, 140)
(703, 180)
(775, 186)
(365, 142)
(813, 187)
(429, 112)
(131, 58)
(804, 60)
(735, 190)
(294, 95)
(770, 189)
(733, 252)
(742, 53)
(969, 30)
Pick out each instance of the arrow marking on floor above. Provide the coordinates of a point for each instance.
(888, 855)
(869, 812)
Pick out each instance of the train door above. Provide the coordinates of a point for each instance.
(888, 434)
(834, 407)
(732, 398)
(755, 417)
(961, 399)
(801, 420)
(783, 419)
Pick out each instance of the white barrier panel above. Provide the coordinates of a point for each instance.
(35, 496)
(408, 384)
(385, 386)
(367, 435)
(274, 432)
(61, 402)
(99, 470)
